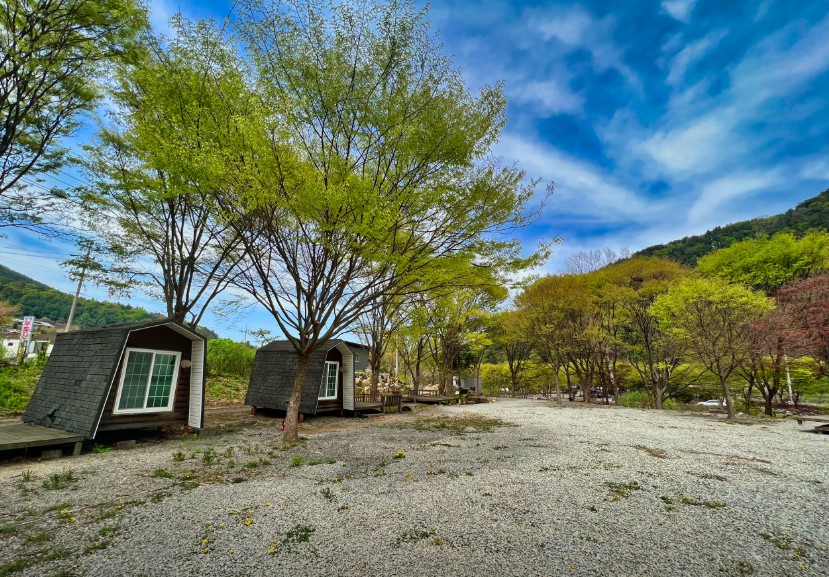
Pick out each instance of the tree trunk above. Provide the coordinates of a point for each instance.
(769, 402)
(291, 434)
(558, 383)
(657, 396)
(375, 381)
(729, 405)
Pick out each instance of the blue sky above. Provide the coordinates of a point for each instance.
(655, 120)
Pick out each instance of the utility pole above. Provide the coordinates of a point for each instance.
(78, 291)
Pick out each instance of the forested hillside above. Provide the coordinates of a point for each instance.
(45, 303)
(811, 214)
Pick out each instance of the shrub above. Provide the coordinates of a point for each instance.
(635, 399)
(227, 357)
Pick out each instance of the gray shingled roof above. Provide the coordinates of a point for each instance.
(272, 376)
(73, 387)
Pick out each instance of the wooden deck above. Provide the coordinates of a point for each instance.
(22, 436)
(360, 406)
(824, 428)
(433, 399)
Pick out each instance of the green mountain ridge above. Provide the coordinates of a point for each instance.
(811, 214)
(33, 298)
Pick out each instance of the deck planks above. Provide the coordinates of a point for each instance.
(22, 436)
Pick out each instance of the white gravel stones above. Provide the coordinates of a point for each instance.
(570, 491)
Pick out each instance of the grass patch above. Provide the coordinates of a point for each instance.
(209, 457)
(188, 485)
(464, 424)
(27, 476)
(178, 457)
(299, 534)
(328, 494)
(107, 514)
(658, 453)
(711, 476)
(39, 538)
(8, 529)
(58, 481)
(96, 547)
(36, 559)
(107, 531)
(621, 490)
(227, 389)
(296, 461)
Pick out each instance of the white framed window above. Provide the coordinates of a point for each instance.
(148, 381)
(328, 387)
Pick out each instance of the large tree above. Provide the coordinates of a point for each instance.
(628, 289)
(715, 318)
(52, 55)
(378, 176)
(159, 166)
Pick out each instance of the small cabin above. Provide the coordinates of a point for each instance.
(129, 376)
(329, 382)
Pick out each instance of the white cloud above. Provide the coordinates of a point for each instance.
(728, 189)
(582, 190)
(679, 9)
(570, 26)
(697, 146)
(552, 96)
(690, 54)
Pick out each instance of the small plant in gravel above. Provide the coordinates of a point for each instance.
(178, 457)
(39, 537)
(27, 476)
(298, 534)
(621, 490)
(106, 514)
(106, 531)
(58, 481)
(99, 449)
(162, 474)
(658, 453)
(96, 547)
(209, 457)
(400, 455)
(159, 496)
(415, 535)
(685, 500)
(297, 461)
(8, 529)
(328, 494)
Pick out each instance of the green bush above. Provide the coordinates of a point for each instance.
(17, 383)
(635, 399)
(227, 357)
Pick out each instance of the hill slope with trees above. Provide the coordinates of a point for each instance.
(36, 299)
(810, 215)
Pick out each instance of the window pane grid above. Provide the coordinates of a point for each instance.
(328, 387)
(148, 380)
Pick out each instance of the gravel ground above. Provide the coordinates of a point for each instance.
(548, 491)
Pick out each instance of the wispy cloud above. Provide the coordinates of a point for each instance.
(679, 9)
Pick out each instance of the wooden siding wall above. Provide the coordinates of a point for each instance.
(333, 404)
(162, 339)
